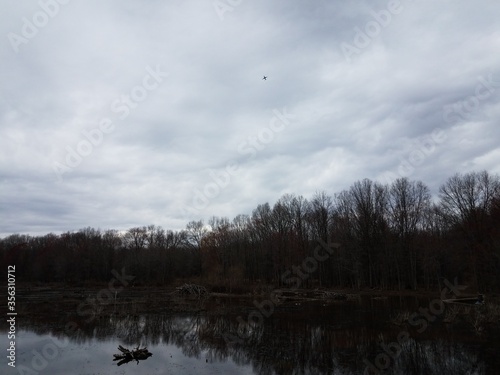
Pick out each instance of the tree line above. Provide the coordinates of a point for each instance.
(393, 236)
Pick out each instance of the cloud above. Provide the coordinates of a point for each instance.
(353, 118)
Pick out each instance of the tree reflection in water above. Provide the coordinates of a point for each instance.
(305, 340)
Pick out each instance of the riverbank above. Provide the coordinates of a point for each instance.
(102, 297)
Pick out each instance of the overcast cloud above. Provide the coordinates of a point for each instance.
(116, 114)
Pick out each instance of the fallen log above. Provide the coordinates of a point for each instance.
(127, 355)
(479, 300)
(334, 295)
(309, 295)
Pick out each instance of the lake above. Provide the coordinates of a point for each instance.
(365, 335)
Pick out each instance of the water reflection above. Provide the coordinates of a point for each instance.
(344, 338)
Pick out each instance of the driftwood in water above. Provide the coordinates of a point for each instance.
(309, 295)
(130, 355)
(191, 290)
(333, 295)
(479, 300)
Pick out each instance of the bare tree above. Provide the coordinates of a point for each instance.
(408, 203)
(320, 220)
(466, 201)
(136, 238)
(195, 233)
(370, 207)
(349, 265)
(320, 215)
(196, 230)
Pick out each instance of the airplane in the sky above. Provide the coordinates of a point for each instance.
(265, 78)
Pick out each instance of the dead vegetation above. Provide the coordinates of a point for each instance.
(477, 317)
(400, 318)
(191, 290)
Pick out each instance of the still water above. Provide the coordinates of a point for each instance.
(360, 336)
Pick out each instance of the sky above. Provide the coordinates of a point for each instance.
(116, 114)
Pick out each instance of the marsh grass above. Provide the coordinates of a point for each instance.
(478, 317)
(401, 317)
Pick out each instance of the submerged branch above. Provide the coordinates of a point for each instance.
(129, 355)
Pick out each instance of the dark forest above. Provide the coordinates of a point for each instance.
(393, 237)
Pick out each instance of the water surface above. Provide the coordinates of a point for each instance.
(352, 337)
